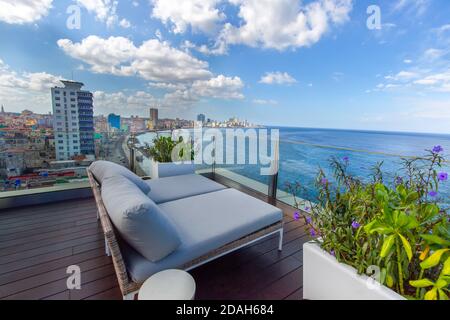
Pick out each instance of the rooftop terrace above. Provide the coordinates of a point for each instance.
(38, 243)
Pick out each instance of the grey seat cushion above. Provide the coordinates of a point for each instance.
(205, 223)
(179, 187)
(138, 219)
(104, 169)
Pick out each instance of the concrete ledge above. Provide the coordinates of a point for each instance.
(46, 195)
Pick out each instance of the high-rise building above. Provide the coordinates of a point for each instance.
(201, 118)
(73, 124)
(114, 121)
(154, 117)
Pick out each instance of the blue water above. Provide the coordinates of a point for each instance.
(303, 151)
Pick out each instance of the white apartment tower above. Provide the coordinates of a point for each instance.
(73, 122)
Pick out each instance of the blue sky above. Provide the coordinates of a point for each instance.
(277, 62)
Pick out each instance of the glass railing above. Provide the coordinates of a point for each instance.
(302, 152)
(30, 168)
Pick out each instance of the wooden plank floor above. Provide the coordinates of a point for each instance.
(38, 243)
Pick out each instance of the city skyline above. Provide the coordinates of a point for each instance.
(333, 73)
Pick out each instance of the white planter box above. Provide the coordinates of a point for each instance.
(168, 169)
(324, 278)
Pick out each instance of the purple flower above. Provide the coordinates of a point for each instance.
(355, 225)
(296, 215)
(307, 209)
(443, 176)
(438, 149)
(346, 159)
(333, 253)
(398, 180)
(312, 233)
(324, 181)
(308, 220)
(432, 194)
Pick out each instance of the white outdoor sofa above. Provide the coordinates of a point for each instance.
(173, 222)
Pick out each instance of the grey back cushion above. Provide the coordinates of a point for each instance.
(140, 222)
(104, 169)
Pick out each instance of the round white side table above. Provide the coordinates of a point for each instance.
(169, 284)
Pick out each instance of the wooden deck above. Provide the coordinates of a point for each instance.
(38, 243)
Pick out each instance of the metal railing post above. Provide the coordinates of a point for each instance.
(273, 179)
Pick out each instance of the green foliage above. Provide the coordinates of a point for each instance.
(165, 149)
(399, 227)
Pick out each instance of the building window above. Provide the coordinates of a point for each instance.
(60, 141)
(61, 148)
(57, 91)
(57, 98)
(72, 93)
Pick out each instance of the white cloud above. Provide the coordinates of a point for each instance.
(402, 76)
(433, 54)
(277, 78)
(26, 90)
(23, 11)
(186, 77)
(437, 82)
(167, 86)
(105, 11)
(38, 81)
(407, 61)
(219, 48)
(124, 103)
(135, 3)
(418, 7)
(284, 24)
(201, 15)
(220, 87)
(153, 60)
(280, 25)
(265, 102)
(124, 23)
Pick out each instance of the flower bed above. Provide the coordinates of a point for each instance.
(396, 226)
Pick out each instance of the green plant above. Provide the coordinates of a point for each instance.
(165, 149)
(401, 226)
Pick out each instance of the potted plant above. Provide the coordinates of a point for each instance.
(170, 157)
(397, 232)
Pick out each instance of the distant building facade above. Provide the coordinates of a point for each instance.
(73, 124)
(154, 117)
(201, 118)
(114, 121)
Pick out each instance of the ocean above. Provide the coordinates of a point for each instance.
(303, 151)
